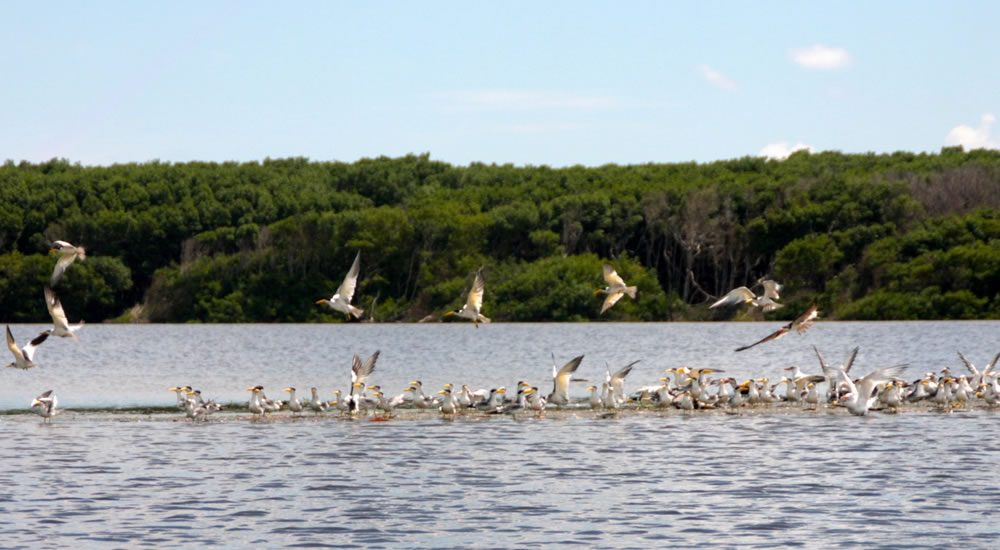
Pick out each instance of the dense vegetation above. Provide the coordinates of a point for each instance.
(900, 236)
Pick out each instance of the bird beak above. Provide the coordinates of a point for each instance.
(320, 301)
(251, 389)
(449, 314)
(35, 402)
(598, 291)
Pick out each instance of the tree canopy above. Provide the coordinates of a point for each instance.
(892, 236)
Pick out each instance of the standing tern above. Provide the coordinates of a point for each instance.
(341, 300)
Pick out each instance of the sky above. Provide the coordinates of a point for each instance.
(524, 82)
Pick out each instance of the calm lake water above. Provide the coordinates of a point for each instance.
(826, 479)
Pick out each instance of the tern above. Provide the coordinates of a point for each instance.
(474, 302)
(46, 404)
(67, 254)
(862, 395)
(560, 380)
(359, 372)
(24, 357)
(743, 295)
(61, 326)
(341, 300)
(616, 288)
(800, 325)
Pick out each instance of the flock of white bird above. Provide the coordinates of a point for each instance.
(686, 389)
(24, 356)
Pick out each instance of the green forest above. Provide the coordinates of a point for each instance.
(866, 236)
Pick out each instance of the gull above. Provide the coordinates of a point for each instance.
(341, 300)
(359, 372)
(800, 325)
(862, 395)
(474, 303)
(61, 326)
(24, 357)
(46, 404)
(743, 295)
(560, 380)
(67, 253)
(616, 288)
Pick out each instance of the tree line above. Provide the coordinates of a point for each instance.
(867, 236)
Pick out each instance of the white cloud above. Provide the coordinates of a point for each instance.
(716, 78)
(527, 100)
(819, 56)
(782, 149)
(974, 138)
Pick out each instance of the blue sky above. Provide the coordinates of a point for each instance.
(530, 83)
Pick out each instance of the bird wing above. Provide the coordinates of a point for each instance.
(619, 376)
(346, 290)
(993, 363)
(56, 310)
(360, 371)
(44, 395)
(846, 367)
(802, 381)
(838, 377)
(771, 289)
(61, 264)
(611, 299)
(968, 364)
(805, 320)
(773, 336)
(735, 297)
(12, 346)
(562, 377)
(822, 362)
(869, 381)
(29, 350)
(475, 301)
(611, 276)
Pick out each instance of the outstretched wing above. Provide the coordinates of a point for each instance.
(346, 290)
(12, 346)
(773, 336)
(29, 350)
(562, 377)
(611, 299)
(611, 276)
(360, 371)
(475, 300)
(805, 320)
(968, 364)
(772, 289)
(56, 310)
(735, 297)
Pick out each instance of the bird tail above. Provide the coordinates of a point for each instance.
(81, 253)
(630, 290)
(356, 312)
(482, 318)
